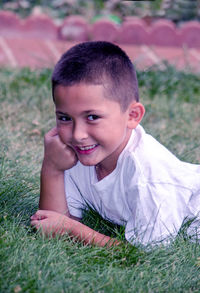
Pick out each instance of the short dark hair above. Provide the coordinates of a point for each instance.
(99, 63)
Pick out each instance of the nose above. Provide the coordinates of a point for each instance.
(79, 132)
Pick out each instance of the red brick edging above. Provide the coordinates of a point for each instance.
(37, 41)
(45, 53)
(132, 31)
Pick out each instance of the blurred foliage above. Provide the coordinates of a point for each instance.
(181, 10)
(176, 10)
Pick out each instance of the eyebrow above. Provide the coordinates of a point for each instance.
(63, 113)
(84, 112)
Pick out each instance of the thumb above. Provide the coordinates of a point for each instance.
(40, 215)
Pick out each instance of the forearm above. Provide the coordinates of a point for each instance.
(89, 236)
(54, 223)
(52, 191)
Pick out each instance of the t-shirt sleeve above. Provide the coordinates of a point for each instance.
(157, 213)
(74, 198)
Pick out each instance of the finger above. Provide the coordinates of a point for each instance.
(41, 215)
(52, 132)
(34, 217)
(35, 224)
(65, 146)
(38, 227)
(42, 228)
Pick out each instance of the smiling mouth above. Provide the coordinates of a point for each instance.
(86, 149)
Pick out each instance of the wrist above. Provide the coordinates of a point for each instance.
(50, 169)
(88, 235)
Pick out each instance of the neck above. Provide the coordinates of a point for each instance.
(102, 172)
(107, 166)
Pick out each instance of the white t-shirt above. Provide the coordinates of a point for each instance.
(150, 191)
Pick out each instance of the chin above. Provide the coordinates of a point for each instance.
(88, 163)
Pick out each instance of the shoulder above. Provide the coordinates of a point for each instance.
(155, 164)
(141, 151)
(148, 158)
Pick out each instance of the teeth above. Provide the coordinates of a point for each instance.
(87, 148)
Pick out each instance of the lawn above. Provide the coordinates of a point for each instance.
(31, 263)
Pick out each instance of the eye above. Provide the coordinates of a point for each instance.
(64, 118)
(92, 117)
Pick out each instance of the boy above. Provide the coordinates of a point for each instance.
(99, 155)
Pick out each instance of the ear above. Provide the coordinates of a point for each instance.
(135, 114)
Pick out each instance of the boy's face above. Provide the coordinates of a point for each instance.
(95, 127)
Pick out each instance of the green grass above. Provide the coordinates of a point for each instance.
(31, 263)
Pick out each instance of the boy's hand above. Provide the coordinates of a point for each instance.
(57, 155)
(51, 223)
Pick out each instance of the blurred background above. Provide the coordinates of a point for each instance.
(117, 10)
(36, 33)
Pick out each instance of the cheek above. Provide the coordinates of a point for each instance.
(64, 134)
(116, 129)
